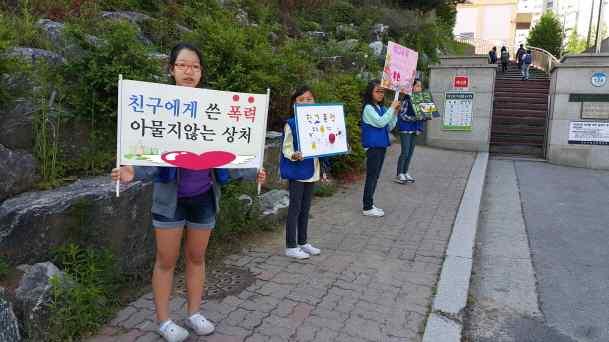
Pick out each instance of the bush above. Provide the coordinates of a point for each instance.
(4, 268)
(92, 80)
(346, 89)
(87, 296)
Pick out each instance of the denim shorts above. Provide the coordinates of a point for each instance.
(197, 212)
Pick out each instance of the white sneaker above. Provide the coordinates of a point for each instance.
(200, 325)
(379, 209)
(310, 249)
(409, 178)
(374, 212)
(296, 253)
(172, 332)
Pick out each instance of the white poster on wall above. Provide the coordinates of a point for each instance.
(589, 132)
(321, 129)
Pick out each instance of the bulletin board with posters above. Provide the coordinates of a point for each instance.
(321, 129)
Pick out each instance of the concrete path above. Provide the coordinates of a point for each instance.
(373, 282)
(548, 279)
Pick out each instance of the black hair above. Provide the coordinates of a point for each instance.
(173, 55)
(298, 92)
(417, 80)
(503, 48)
(368, 94)
(529, 51)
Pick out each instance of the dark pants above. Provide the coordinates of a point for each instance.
(407, 140)
(374, 163)
(301, 194)
(504, 66)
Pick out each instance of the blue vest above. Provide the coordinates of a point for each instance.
(295, 170)
(411, 124)
(374, 136)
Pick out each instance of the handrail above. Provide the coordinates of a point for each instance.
(541, 58)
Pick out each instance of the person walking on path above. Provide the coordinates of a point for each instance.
(492, 55)
(181, 199)
(521, 51)
(301, 175)
(505, 59)
(409, 127)
(377, 121)
(527, 59)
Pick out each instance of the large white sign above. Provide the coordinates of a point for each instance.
(321, 129)
(166, 125)
(589, 132)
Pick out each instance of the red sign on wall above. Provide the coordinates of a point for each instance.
(461, 82)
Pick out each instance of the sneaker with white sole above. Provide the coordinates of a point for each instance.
(172, 332)
(310, 249)
(401, 179)
(374, 212)
(409, 178)
(200, 325)
(296, 253)
(379, 209)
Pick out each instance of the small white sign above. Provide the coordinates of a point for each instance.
(599, 79)
(589, 132)
(321, 129)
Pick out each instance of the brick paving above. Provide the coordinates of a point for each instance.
(373, 282)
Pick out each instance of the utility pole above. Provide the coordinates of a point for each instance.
(598, 27)
(590, 25)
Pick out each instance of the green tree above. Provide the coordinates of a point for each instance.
(547, 34)
(575, 43)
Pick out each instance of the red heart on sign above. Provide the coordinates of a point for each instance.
(332, 138)
(193, 161)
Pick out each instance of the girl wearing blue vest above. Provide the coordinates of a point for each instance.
(377, 121)
(181, 199)
(409, 128)
(301, 175)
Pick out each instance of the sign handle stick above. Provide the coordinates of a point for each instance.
(397, 94)
(118, 135)
(268, 98)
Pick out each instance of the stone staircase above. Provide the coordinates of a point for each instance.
(519, 113)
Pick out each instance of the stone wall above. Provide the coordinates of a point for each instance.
(573, 76)
(481, 83)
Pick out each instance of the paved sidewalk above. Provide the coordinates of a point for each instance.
(373, 282)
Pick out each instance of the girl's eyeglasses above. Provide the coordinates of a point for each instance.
(183, 66)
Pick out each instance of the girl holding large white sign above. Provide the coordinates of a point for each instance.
(301, 174)
(377, 121)
(181, 198)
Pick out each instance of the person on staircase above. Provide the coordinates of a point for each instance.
(521, 51)
(492, 55)
(505, 58)
(527, 59)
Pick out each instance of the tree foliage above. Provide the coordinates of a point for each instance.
(547, 34)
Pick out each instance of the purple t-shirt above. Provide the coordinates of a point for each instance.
(193, 183)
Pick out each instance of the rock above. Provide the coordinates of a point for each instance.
(135, 18)
(328, 63)
(33, 297)
(31, 55)
(182, 29)
(86, 212)
(54, 32)
(16, 124)
(317, 34)
(246, 201)
(273, 201)
(348, 45)
(18, 172)
(9, 326)
(378, 48)
(273, 38)
(344, 31)
(243, 18)
(273, 138)
(378, 31)
(160, 57)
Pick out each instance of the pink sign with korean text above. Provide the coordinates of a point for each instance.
(400, 68)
